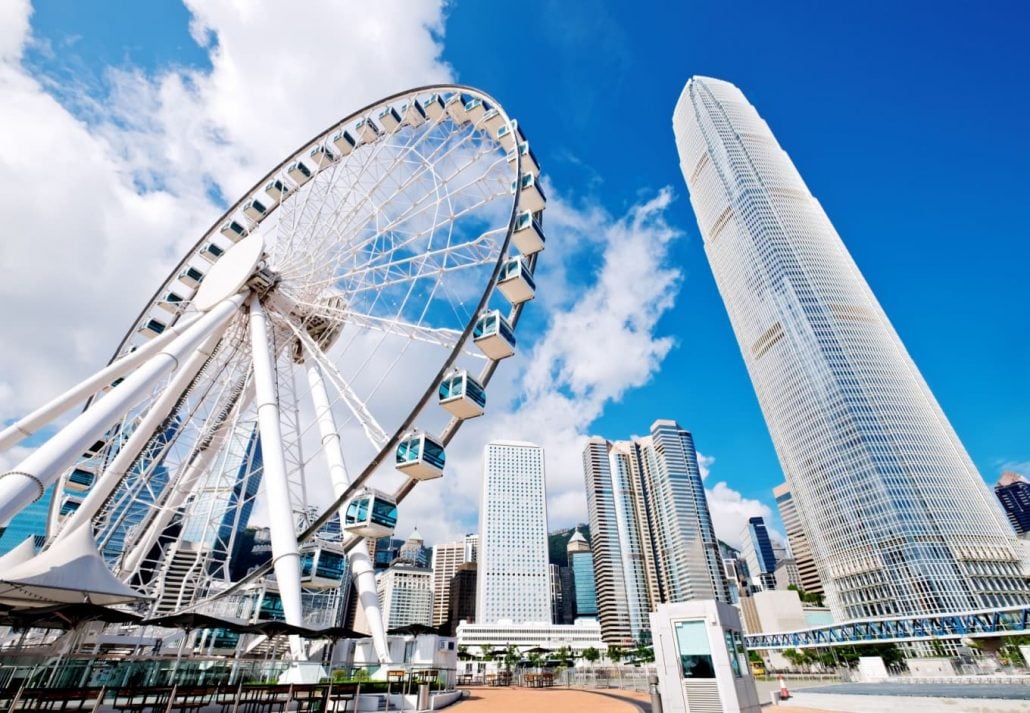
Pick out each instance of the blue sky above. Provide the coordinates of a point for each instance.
(905, 119)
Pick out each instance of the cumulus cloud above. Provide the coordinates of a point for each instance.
(103, 194)
(101, 202)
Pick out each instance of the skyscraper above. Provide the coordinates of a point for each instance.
(1013, 491)
(447, 558)
(899, 520)
(405, 595)
(758, 553)
(652, 534)
(512, 579)
(581, 562)
(799, 546)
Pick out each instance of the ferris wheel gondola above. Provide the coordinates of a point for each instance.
(367, 264)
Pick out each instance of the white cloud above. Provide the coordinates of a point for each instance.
(99, 212)
(101, 202)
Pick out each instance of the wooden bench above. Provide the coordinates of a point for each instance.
(39, 700)
(136, 699)
(190, 698)
(261, 698)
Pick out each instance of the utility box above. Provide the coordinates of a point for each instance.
(700, 658)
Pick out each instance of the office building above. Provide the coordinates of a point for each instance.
(554, 582)
(447, 558)
(757, 552)
(461, 605)
(513, 579)
(581, 564)
(405, 595)
(584, 634)
(800, 549)
(1013, 491)
(414, 550)
(652, 534)
(899, 520)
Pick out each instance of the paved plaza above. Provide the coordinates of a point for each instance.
(567, 700)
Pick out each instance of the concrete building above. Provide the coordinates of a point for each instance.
(800, 549)
(513, 578)
(899, 520)
(446, 560)
(582, 635)
(462, 599)
(405, 595)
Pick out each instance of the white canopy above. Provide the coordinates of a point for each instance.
(25, 551)
(72, 570)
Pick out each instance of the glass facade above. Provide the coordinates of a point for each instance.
(898, 518)
(582, 564)
(652, 535)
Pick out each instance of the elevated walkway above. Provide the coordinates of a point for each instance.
(1013, 621)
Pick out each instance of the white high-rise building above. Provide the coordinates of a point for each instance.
(405, 595)
(898, 518)
(513, 585)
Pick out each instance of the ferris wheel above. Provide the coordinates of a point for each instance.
(313, 354)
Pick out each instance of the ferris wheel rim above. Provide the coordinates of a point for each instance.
(195, 249)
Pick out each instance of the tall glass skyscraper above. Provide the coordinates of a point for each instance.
(898, 518)
(651, 531)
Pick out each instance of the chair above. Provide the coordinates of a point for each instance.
(136, 699)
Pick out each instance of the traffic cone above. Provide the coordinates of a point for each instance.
(784, 693)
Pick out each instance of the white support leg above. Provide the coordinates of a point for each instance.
(28, 480)
(285, 553)
(360, 562)
(28, 425)
(128, 453)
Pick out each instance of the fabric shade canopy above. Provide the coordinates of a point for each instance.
(69, 572)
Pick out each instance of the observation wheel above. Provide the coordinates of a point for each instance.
(303, 367)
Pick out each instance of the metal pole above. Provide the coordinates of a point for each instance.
(656, 694)
(28, 425)
(285, 553)
(360, 562)
(27, 481)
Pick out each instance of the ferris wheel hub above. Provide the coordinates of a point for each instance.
(232, 271)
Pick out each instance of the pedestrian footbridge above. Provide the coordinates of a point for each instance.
(1013, 621)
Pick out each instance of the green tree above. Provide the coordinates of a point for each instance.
(591, 654)
(486, 653)
(616, 654)
(463, 652)
(534, 658)
(564, 656)
(511, 656)
(643, 652)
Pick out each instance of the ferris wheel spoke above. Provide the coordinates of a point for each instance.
(373, 431)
